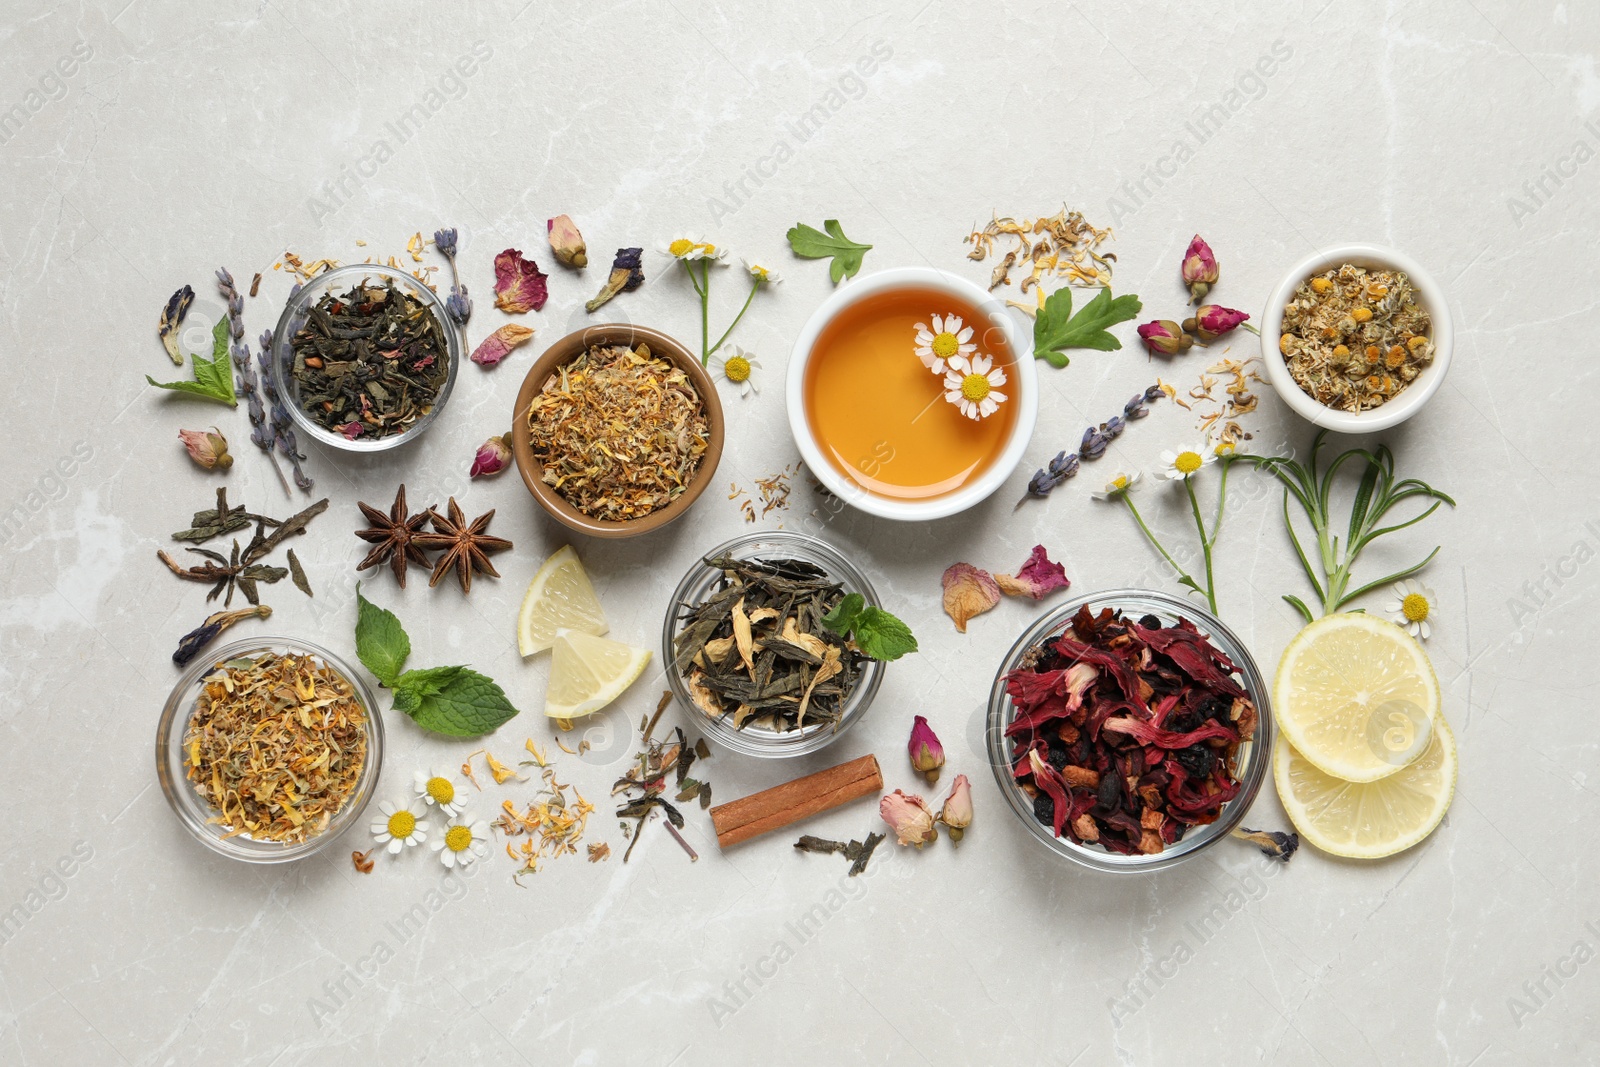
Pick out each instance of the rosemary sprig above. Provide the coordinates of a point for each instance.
(1377, 494)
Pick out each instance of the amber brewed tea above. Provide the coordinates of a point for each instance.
(880, 415)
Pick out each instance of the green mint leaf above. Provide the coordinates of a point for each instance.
(381, 642)
(842, 619)
(882, 636)
(466, 705)
(1056, 327)
(213, 378)
(412, 687)
(809, 242)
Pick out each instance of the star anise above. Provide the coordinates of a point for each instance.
(396, 537)
(466, 548)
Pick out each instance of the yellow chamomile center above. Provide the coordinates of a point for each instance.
(457, 838)
(1187, 462)
(708, 248)
(946, 345)
(441, 791)
(974, 387)
(681, 246)
(759, 271)
(402, 824)
(737, 368)
(1414, 607)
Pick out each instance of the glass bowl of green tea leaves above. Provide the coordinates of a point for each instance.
(749, 646)
(364, 357)
(1129, 731)
(269, 749)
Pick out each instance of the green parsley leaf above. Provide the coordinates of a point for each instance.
(810, 243)
(842, 619)
(381, 642)
(465, 705)
(213, 378)
(1056, 327)
(882, 636)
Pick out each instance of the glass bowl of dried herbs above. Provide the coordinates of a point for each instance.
(1129, 730)
(745, 645)
(363, 358)
(269, 749)
(617, 430)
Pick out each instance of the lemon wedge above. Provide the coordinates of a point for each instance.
(1367, 821)
(560, 597)
(1356, 696)
(589, 672)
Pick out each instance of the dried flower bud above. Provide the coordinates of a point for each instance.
(1213, 320)
(445, 241)
(1113, 427)
(957, 811)
(1135, 408)
(927, 754)
(566, 242)
(208, 449)
(627, 274)
(492, 457)
(1093, 445)
(1041, 484)
(909, 817)
(1200, 269)
(1064, 466)
(1165, 337)
(458, 304)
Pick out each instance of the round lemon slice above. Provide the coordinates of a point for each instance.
(588, 672)
(1356, 696)
(560, 597)
(1367, 821)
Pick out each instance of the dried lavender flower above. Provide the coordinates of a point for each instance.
(445, 241)
(1093, 445)
(1135, 408)
(458, 304)
(282, 424)
(244, 373)
(1113, 427)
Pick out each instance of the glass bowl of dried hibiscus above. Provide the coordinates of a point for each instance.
(1129, 730)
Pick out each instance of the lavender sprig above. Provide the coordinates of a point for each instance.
(282, 425)
(458, 304)
(244, 373)
(1093, 445)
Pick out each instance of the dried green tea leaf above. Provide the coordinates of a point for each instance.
(298, 573)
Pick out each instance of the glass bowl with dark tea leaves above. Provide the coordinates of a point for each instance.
(1129, 730)
(269, 749)
(364, 357)
(746, 647)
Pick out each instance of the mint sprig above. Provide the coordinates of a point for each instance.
(455, 701)
(1056, 327)
(877, 633)
(213, 378)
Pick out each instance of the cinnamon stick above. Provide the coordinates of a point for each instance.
(775, 808)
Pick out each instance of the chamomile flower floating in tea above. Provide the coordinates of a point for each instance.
(1180, 464)
(973, 386)
(439, 790)
(739, 369)
(463, 841)
(948, 339)
(400, 827)
(1412, 607)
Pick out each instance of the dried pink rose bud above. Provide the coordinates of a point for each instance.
(566, 242)
(927, 754)
(1200, 270)
(957, 811)
(492, 457)
(1165, 337)
(208, 449)
(1211, 321)
(909, 817)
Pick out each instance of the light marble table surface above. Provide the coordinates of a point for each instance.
(143, 146)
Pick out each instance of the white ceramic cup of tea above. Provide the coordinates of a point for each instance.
(996, 334)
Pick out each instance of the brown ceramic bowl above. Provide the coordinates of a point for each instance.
(568, 349)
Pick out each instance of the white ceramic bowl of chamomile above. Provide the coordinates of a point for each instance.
(996, 336)
(1403, 404)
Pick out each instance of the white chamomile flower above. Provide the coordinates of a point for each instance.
(947, 340)
(463, 841)
(1178, 465)
(740, 369)
(1412, 607)
(400, 826)
(1117, 486)
(691, 247)
(440, 790)
(764, 275)
(973, 386)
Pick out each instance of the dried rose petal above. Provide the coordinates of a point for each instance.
(519, 284)
(968, 591)
(498, 345)
(351, 430)
(1037, 577)
(909, 817)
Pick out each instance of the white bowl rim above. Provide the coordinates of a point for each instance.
(1414, 396)
(1026, 395)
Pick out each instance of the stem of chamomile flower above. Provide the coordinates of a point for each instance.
(755, 283)
(1205, 544)
(705, 311)
(1152, 538)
